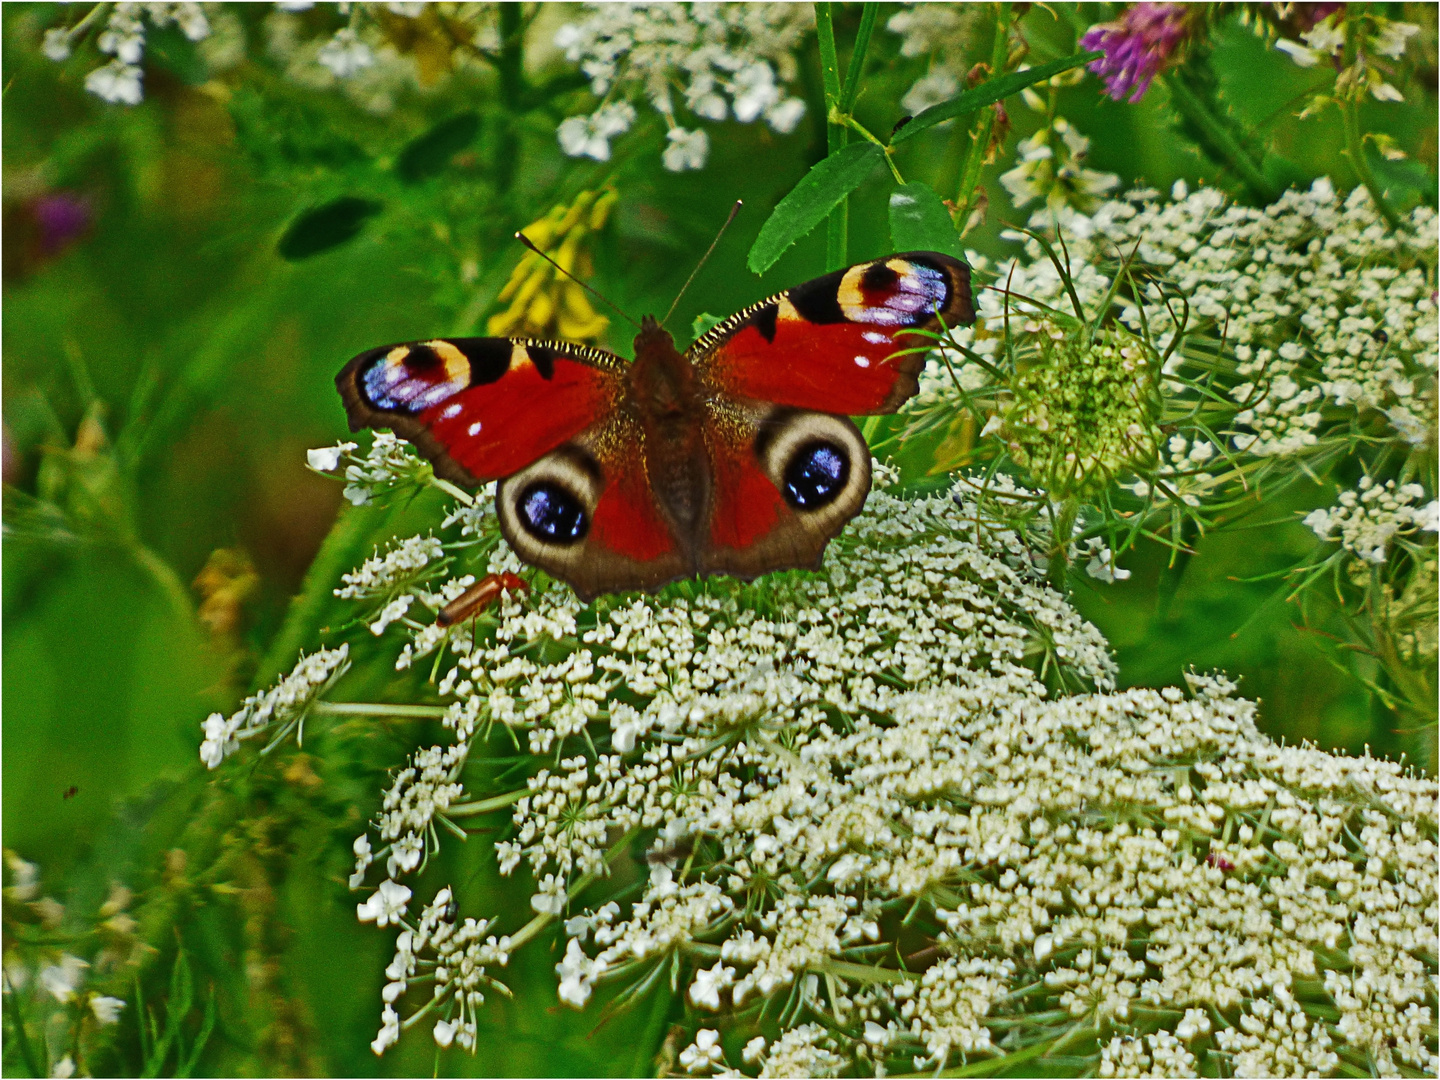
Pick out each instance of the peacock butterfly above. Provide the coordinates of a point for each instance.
(735, 457)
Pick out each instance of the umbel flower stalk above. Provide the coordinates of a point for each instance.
(893, 814)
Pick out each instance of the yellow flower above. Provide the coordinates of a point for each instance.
(543, 302)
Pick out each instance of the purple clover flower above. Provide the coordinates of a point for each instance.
(1138, 46)
(62, 218)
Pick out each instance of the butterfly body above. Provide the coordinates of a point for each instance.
(735, 457)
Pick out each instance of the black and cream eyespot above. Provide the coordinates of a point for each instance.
(550, 504)
(819, 462)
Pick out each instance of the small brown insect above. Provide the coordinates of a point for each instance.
(71, 792)
(480, 596)
(1219, 861)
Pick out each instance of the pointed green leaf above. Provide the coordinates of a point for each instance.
(817, 193)
(429, 154)
(987, 93)
(327, 226)
(920, 222)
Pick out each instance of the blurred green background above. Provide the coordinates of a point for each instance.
(166, 368)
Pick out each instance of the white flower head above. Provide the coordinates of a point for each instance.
(726, 60)
(705, 990)
(56, 44)
(345, 54)
(116, 82)
(589, 136)
(576, 971)
(385, 906)
(326, 459)
(106, 1009)
(61, 980)
(686, 150)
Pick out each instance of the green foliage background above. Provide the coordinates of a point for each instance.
(211, 357)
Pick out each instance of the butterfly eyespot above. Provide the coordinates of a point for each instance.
(551, 514)
(816, 474)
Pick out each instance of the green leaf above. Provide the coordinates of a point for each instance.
(703, 324)
(326, 226)
(987, 93)
(428, 154)
(817, 193)
(920, 222)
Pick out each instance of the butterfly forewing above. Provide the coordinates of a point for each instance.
(481, 408)
(843, 343)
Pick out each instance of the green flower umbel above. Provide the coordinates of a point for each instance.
(1083, 406)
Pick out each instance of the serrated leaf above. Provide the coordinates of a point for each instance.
(987, 93)
(326, 226)
(920, 222)
(811, 200)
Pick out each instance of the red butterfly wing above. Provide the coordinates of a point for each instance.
(838, 344)
(586, 513)
(481, 408)
(782, 483)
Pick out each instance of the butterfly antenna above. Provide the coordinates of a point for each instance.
(733, 211)
(593, 292)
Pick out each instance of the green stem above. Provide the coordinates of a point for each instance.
(1355, 151)
(457, 493)
(511, 67)
(1354, 145)
(1060, 553)
(837, 226)
(980, 137)
(850, 122)
(486, 806)
(539, 922)
(362, 708)
(1217, 138)
(346, 545)
(868, 15)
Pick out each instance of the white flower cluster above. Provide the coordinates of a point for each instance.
(359, 59)
(921, 735)
(1320, 305)
(461, 953)
(1378, 36)
(123, 38)
(944, 33)
(727, 60)
(395, 578)
(1050, 166)
(387, 464)
(1112, 854)
(283, 706)
(44, 983)
(1366, 520)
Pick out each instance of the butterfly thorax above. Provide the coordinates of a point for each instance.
(665, 397)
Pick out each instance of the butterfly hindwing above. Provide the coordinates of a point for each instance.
(843, 343)
(481, 408)
(586, 513)
(783, 483)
